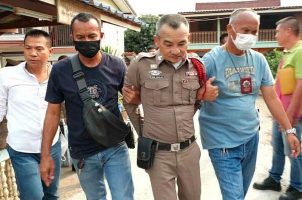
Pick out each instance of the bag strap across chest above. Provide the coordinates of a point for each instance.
(78, 75)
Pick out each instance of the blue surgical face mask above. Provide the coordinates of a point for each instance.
(244, 41)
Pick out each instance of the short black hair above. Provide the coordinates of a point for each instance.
(38, 33)
(222, 36)
(84, 17)
(62, 57)
(290, 22)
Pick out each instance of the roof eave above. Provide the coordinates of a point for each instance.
(125, 7)
(226, 13)
(113, 16)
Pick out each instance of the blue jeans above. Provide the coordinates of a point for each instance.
(29, 182)
(114, 164)
(234, 168)
(278, 162)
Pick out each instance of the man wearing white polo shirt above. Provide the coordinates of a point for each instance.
(22, 92)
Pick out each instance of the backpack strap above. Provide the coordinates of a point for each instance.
(78, 76)
(201, 73)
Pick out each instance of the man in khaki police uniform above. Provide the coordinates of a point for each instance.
(168, 85)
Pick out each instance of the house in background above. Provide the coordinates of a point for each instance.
(54, 16)
(209, 21)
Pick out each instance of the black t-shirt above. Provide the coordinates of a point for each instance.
(103, 83)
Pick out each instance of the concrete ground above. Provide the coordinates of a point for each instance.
(70, 188)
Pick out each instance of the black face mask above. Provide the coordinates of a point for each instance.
(87, 48)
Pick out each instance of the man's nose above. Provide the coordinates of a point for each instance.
(175, 51)
(33, 52)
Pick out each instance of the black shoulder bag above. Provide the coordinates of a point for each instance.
(146, 149)
(102, 125)
(145, 152)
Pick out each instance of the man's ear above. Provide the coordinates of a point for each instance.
(50, 50)
(102, 35)
(229, 28)
(156, 40)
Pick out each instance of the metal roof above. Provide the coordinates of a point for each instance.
(112, 11)
(258, 9)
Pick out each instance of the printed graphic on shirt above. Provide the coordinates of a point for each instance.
(97, 90)
(232, 77)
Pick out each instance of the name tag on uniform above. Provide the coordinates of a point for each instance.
(191, 73)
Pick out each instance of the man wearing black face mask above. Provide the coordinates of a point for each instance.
(104, 76)
(87, 48)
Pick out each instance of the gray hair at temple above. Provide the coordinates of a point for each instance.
(172, 20)
(237, 12)
(290, 22)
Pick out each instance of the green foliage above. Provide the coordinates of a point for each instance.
(273, 57)
(109, 50)
(140, 41)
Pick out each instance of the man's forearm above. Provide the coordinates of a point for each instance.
(134, 116)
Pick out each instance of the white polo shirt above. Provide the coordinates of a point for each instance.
(22, 101)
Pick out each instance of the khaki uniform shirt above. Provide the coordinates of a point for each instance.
(167, 94)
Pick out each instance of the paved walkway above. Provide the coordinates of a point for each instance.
(70, 188)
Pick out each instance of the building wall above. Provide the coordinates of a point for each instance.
(113, 37)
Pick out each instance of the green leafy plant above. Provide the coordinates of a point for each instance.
(273, 57)
(140, 41)
(109, 50)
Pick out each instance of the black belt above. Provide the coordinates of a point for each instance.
(175, 146)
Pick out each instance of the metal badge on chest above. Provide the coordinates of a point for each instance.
(154, 72)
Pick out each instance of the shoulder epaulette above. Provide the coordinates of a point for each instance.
(145, 55)
(193, 55)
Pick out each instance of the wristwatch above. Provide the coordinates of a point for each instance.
(290, 131)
